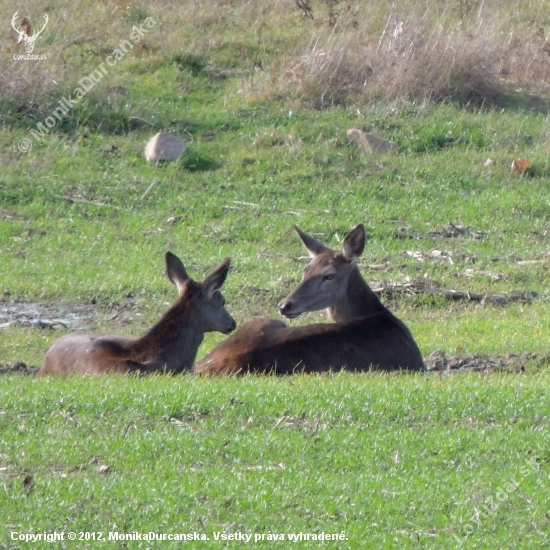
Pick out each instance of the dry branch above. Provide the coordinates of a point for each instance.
(85, 201)
(416, 288)
(447, 232)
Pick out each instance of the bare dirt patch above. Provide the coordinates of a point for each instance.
(18, 368)
(439, 363)
(73, 317)
(29, 314)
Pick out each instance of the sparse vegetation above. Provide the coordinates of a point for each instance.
(263, 96)
(414, 52)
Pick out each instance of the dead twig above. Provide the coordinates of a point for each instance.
(85, 201)
(307, 12)
(498, 298)
(148, 189)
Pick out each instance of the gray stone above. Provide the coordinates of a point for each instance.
(369, 143)
(164, 146)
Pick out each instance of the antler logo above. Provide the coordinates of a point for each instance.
(25, 32)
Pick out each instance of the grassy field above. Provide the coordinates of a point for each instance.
(399, 461)
(391, 462)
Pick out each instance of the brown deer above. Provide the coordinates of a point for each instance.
(365, 335)
(169, 346)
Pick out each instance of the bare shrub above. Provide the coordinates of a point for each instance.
(352, 51)
(417, 59)
(441, 65)
(328, 76)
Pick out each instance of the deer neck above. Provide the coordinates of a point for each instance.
(358, 301)
(174, 341)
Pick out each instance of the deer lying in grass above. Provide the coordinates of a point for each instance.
(365, 334)
(169, 346)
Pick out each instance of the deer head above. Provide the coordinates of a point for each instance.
(24, 31)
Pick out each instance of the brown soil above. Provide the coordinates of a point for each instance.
(18, 367)
(438, 363)
(29, 314)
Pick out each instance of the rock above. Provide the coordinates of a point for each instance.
(164, 146)
(369, 143)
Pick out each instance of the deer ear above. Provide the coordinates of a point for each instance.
(215, 280)
(175, 270)
(354, 243)
(313, 246)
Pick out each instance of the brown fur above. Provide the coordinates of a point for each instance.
(169, 346)
(366, 334)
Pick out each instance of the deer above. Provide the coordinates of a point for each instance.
(170, 346)
(24, 31)
(365, 334)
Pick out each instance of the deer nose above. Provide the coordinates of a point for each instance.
(285, 307)
(232, 327)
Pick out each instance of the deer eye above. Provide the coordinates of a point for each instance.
(328, 277)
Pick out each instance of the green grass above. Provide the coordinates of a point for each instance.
(391, 461)
(75, 224)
